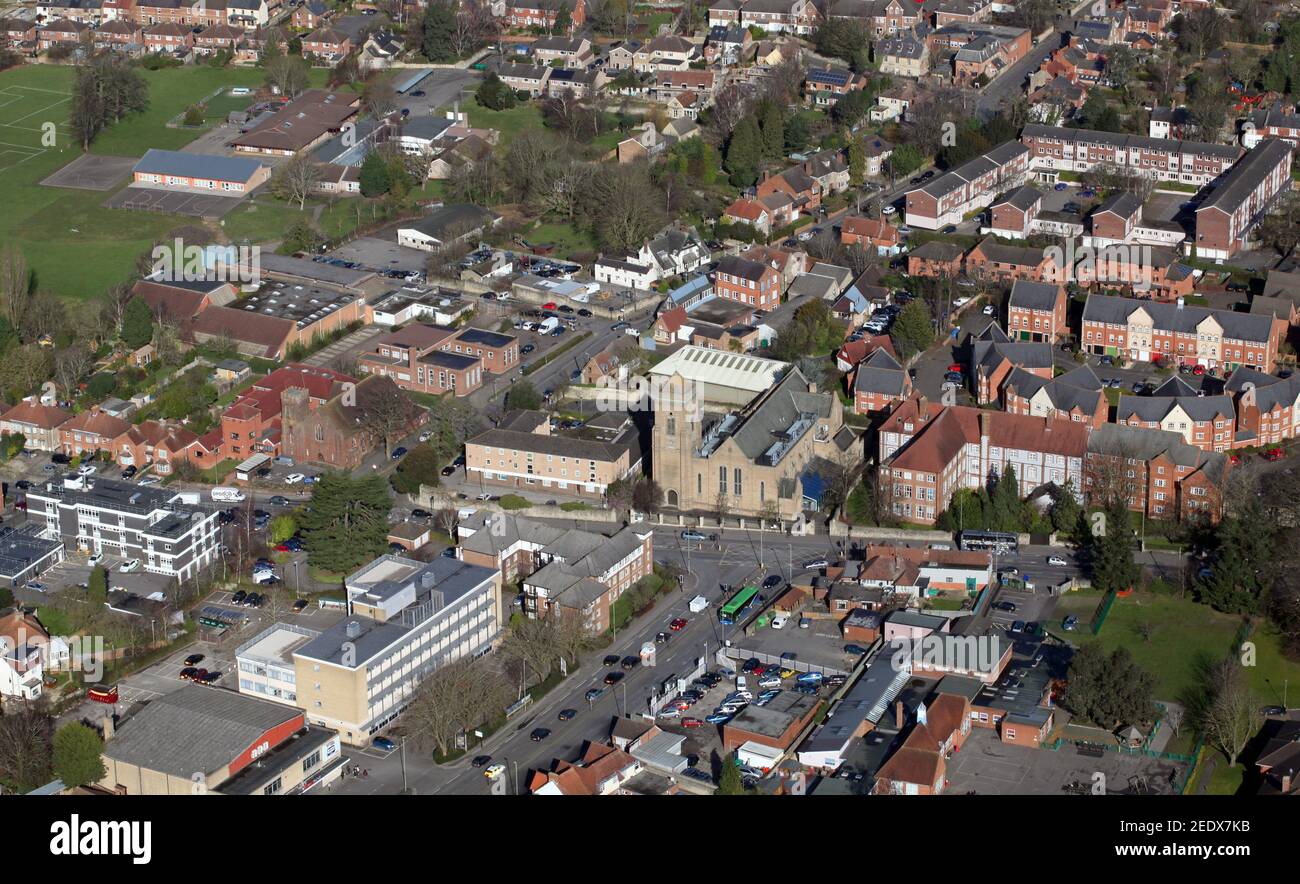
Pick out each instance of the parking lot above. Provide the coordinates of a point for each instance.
(987, 766)
(159, 679)
(819, 647)
(380, 252)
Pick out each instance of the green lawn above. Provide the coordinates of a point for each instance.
(1183, 634)
(567, 239)
(76, 247)
(509, 122)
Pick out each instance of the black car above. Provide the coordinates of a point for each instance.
(23, 484)
(398, 452)
(584, 312)
(662, 637)
(449, 470)
(60, 458)
(418, 93)
(481, 761)
(539, 734)
(613, 677)
(238, 598)
(949, 229)
(418, 513)
(750, 665)
(210, 678)
(611, 659)
(771, 581)
(566, 714)
(129, 471)
(630, 662)
(194, 659)
(300, 604)
(527, 348)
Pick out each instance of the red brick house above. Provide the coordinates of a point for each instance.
(118, 33)
(870, 233)
(543, 13)
(326, 43)
(168, 38)
(1036, 311)
(92, 431)
(1157, 471)
(992, 260)
(422, 358)
(61, 31)
(748, 282)
(796, 184)
(878, 382)
(935, 258)
(216, 38)
(916, 768)
(159, 444)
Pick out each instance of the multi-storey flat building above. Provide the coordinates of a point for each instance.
(151, 524)
(1079, 150)
(963, 447)
(1077, 395)
(1207, 422)
(748, 282)
(405, 620)
(521, 452)
(1143, 330)
(971, 186)
(1238, 202)
(1157, 472)
(1268, 407)
(994, 356)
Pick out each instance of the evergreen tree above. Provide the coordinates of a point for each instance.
(346, 524)
(1066, 509)
(563, 20)
(729, 782)
(374, 177)
(523, 395)
(857, 162)
(1112, 547)
(773, 127)
(436, 32)
(494, 94)
(796, 133)
(744, 153)
(137, 323)
(913, 332)
(77, 751)
(1005, 497)
(1240, 572)
(97, 585)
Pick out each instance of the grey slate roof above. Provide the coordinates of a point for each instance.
(778, 411)
(1126, 205)
(1022, 198)
(1116, 310)
(1092, 136)
(197, 165)
(1143, 444)
(1157, 408)
(1079, 389)
(195, 729)
(1242, 179)
(880, 373)
(541, 444)
(1029, 295)
(1270, 391)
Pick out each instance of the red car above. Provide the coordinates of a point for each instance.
(692, 722)
(549, 305)
(679, 624)
(1274, 454)
(760, 669)
(956, 366)
(101, 693)
(1198, 369)
(1234, 459)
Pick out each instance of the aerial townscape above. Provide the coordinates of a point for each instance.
(598, 397)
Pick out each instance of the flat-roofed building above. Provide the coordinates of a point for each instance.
(405, 620)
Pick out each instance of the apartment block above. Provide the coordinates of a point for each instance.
(1143, 331)
(973, 185)
(522, 452)
(168, 536)
(1156, 471)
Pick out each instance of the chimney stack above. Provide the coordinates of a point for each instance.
(1286, 781)
(900, 718)
(1047, 423)
(108, 728)
(812, 387)
(923, 407)
(985, 418)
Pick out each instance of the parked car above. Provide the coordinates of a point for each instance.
(128, 566)
(719, 718)
(855, 650)
(1070, 623)
(398, 453)
(813, 564)
(1018, 626)
(384, 743)
(1058, 561)
(194, 659)
(293, 478)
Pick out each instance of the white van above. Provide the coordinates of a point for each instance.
(226, 493)
(548, 325)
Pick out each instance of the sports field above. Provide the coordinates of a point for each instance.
(77, 247)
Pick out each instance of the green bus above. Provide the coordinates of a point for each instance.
(740, 602)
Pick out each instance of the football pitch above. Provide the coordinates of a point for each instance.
(32, 120)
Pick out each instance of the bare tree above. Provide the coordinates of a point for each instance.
(456, 697)
(296, 179)
(15, 285)
(532, 642)
(26, 746)
(70, 366)
(384, 409)
(730, 106)
(1231, 715)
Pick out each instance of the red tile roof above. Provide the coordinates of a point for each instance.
(30, 411)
